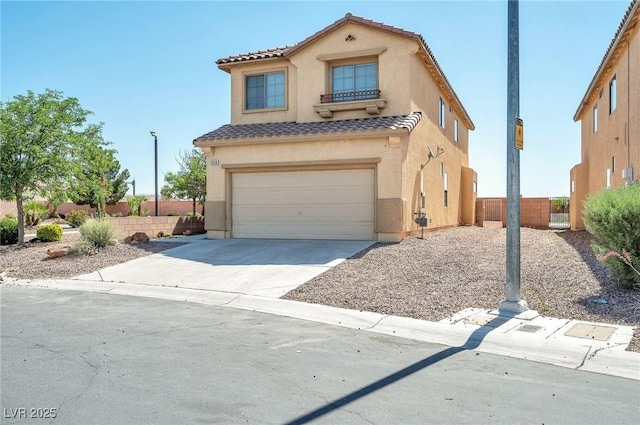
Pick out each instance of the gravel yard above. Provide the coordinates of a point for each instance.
(32, 261)
(428, 279)
(453, 269)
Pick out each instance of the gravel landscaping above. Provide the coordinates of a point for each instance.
(452, 269)
(32, 261)
(430, 279)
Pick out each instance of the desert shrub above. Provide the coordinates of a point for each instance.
(82, 247)
(99, 232)
(34, 211)
(49, 233)
(191, 214)
(8, 231)
(11, 216)
(612, 216)
(77, 217)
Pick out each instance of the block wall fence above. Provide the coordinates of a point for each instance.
(164, 208)
(127, 226)
(534, 212)
(152, 226)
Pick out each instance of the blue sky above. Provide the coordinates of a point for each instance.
(150, 65)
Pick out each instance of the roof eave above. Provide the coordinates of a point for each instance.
(350, 135)
(622, 33)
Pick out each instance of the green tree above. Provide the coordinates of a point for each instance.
(56, 194)
(97, 179)
(190, 182)
(39, 134)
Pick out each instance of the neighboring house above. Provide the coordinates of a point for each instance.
(328, 138)
(610, 118)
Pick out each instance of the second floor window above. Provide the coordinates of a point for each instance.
(355, 81)
(595, 118)
(441, 114)
(455, 130)
(265, 91)
(612, 95)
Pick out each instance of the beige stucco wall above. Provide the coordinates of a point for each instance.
(468, 197)
(578, 193)
(618, 133)
(308, 76)
(406, 85)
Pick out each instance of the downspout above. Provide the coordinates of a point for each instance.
(627, 135)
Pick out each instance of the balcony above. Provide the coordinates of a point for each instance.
(368, 100)
(349, 96)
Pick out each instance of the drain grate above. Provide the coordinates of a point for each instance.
(529, 328)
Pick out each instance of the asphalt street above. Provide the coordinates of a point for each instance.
(71, 357)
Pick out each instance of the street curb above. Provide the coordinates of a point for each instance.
(550, 347)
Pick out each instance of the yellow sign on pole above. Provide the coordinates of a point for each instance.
(519, 134)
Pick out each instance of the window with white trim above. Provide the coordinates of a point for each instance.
(264, 91)
(441, 108)
(595, 118)
(608, 178)
(612, 95)
(455, 130)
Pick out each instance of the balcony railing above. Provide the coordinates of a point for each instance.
(349, 96)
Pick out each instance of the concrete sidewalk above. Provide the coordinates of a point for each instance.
(579, 345)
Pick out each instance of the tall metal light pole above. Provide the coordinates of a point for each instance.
(133, 183)
(155, 141)
(513, 303)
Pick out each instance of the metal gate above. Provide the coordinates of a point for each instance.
(492, 209)
(559, 213)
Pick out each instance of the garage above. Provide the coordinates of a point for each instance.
(327, 204)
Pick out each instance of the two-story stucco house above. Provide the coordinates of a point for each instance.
(347, 134)
(610, 119)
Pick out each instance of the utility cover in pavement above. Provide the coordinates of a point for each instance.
(529, 328)
(486, 320)
(582, 330)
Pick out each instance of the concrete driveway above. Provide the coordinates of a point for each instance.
(264, 267)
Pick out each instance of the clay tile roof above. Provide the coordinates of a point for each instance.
(628, 23)
(260, 54)
(282, 129)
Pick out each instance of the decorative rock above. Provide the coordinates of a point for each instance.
(137, 238)
(58, 251)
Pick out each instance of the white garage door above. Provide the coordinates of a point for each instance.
(336, 204)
